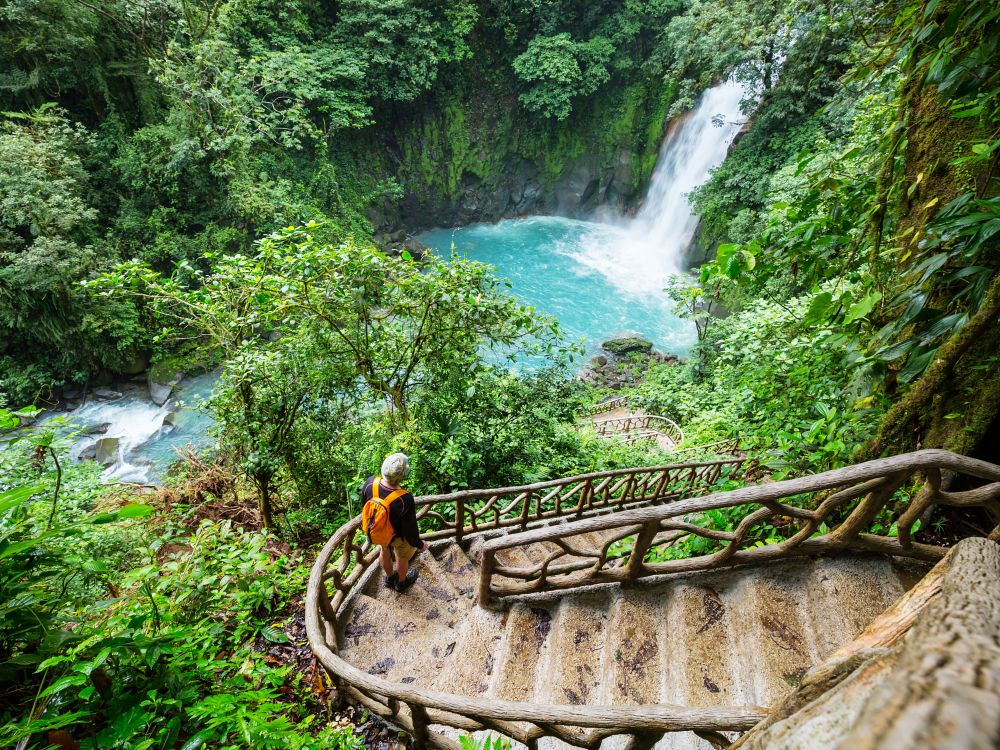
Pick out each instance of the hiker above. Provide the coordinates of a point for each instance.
(389, 519)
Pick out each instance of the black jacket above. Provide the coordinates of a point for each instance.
(402, 513)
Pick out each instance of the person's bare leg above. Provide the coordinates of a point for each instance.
(385, 558)
(402, 567)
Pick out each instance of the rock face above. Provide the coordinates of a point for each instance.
(520, 189)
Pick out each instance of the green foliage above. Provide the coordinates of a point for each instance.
(762, 376)
(560, 70)
(316, 335)
(47, 244)
(126, 634)
(402, 44)
(490, 742)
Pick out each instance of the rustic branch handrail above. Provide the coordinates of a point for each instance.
(539, 512)
(874, 481)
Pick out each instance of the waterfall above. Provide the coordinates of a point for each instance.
(637, 255)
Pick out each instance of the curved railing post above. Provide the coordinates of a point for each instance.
(485, 578)
(459, 518)
(639, 549)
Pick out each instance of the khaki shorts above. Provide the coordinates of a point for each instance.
(402, 549)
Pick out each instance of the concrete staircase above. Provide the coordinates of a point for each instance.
(727, 638)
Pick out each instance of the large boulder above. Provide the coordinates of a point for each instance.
(136, 364)
(627, 345)
(160, 389)
(106, 451)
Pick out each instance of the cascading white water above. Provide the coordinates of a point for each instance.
(643, 251)
(143, 442)
(606, 278)
(132, 421)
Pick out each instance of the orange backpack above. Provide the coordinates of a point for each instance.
(375, 521)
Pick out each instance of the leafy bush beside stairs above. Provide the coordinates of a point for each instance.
(161, 644)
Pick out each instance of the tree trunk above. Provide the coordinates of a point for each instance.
(937, 688)
(266, 510)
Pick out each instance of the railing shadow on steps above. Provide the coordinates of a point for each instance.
(847, 501)
(552, 511)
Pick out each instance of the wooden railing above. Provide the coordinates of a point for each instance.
(729, 446)
(822, 514)
(848, 500)
(639, 427)
(610, 404)
(342, 567)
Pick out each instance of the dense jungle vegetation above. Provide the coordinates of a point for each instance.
(193, 184)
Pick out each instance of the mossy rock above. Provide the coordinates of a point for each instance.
(627, 345)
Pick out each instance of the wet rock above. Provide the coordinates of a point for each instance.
(96, 429)
(106, 450)
(106, 394)
(159, 391)
(89, 453)
(598, 361)
(627, 345)
(415, 247)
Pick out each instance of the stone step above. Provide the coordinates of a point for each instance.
(475, 658)
(635, 659)
(847, 594)
(720, 638)
(392, 643)
(526, 646)
(577, 646)
(701, 645)
(775, 631)
(432, 598)
(461, 572)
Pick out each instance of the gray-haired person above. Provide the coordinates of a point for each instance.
(389, 518)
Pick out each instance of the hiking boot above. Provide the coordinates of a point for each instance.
(410, 579)
(390, 581)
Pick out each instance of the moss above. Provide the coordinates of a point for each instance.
(482, 133)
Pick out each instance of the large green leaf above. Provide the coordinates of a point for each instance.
(14, 497)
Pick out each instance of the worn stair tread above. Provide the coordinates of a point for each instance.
(731, 637)
(774, 615)
(577, 647)
(526, 646)
(699, 643)
(471, 666)
(634, 668)
(431, 597)
(460, 571)
(392, 643)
